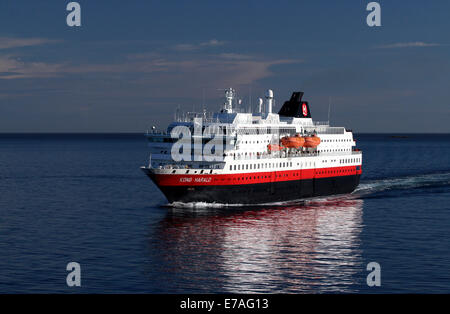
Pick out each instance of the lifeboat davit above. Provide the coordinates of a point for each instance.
(293, 141)
(311, 141)
(274, 147)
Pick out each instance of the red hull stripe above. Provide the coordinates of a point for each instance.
(254, 177)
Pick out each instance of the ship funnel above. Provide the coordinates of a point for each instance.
(269, 100)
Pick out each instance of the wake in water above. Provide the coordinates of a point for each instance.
(365, 188)
(403, 183)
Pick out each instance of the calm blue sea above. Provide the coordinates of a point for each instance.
(83, 198)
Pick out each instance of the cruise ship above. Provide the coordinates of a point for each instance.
(235, 156)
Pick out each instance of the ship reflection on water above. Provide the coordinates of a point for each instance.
(309, 246)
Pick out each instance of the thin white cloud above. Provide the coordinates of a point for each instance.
(234, 56)
(13, 68)
(212, 43)
(408, 45)
(10, 42)
(192, 47)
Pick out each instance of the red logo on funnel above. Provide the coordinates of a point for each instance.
(305, 109)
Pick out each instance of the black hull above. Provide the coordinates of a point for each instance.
(262, 192)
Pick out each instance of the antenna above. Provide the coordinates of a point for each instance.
(329, 109)
(203, 99)
(177, 113)
(250, 100)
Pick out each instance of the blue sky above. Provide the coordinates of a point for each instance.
(132, 62)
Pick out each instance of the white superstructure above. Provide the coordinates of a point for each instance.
(248, 135)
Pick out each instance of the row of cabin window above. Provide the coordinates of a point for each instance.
(265, 166)
(267, 141)
(295, 174)
(333, 150)
(336, 171)
(262, 177)
(340, 140)
(201, 172)
(255, 142)
(350, 160)
(252, 131)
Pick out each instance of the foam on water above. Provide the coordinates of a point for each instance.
(403, 183)
(212, 205)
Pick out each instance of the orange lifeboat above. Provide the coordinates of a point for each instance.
(311, 141)
(274, 147)
(293, 141)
